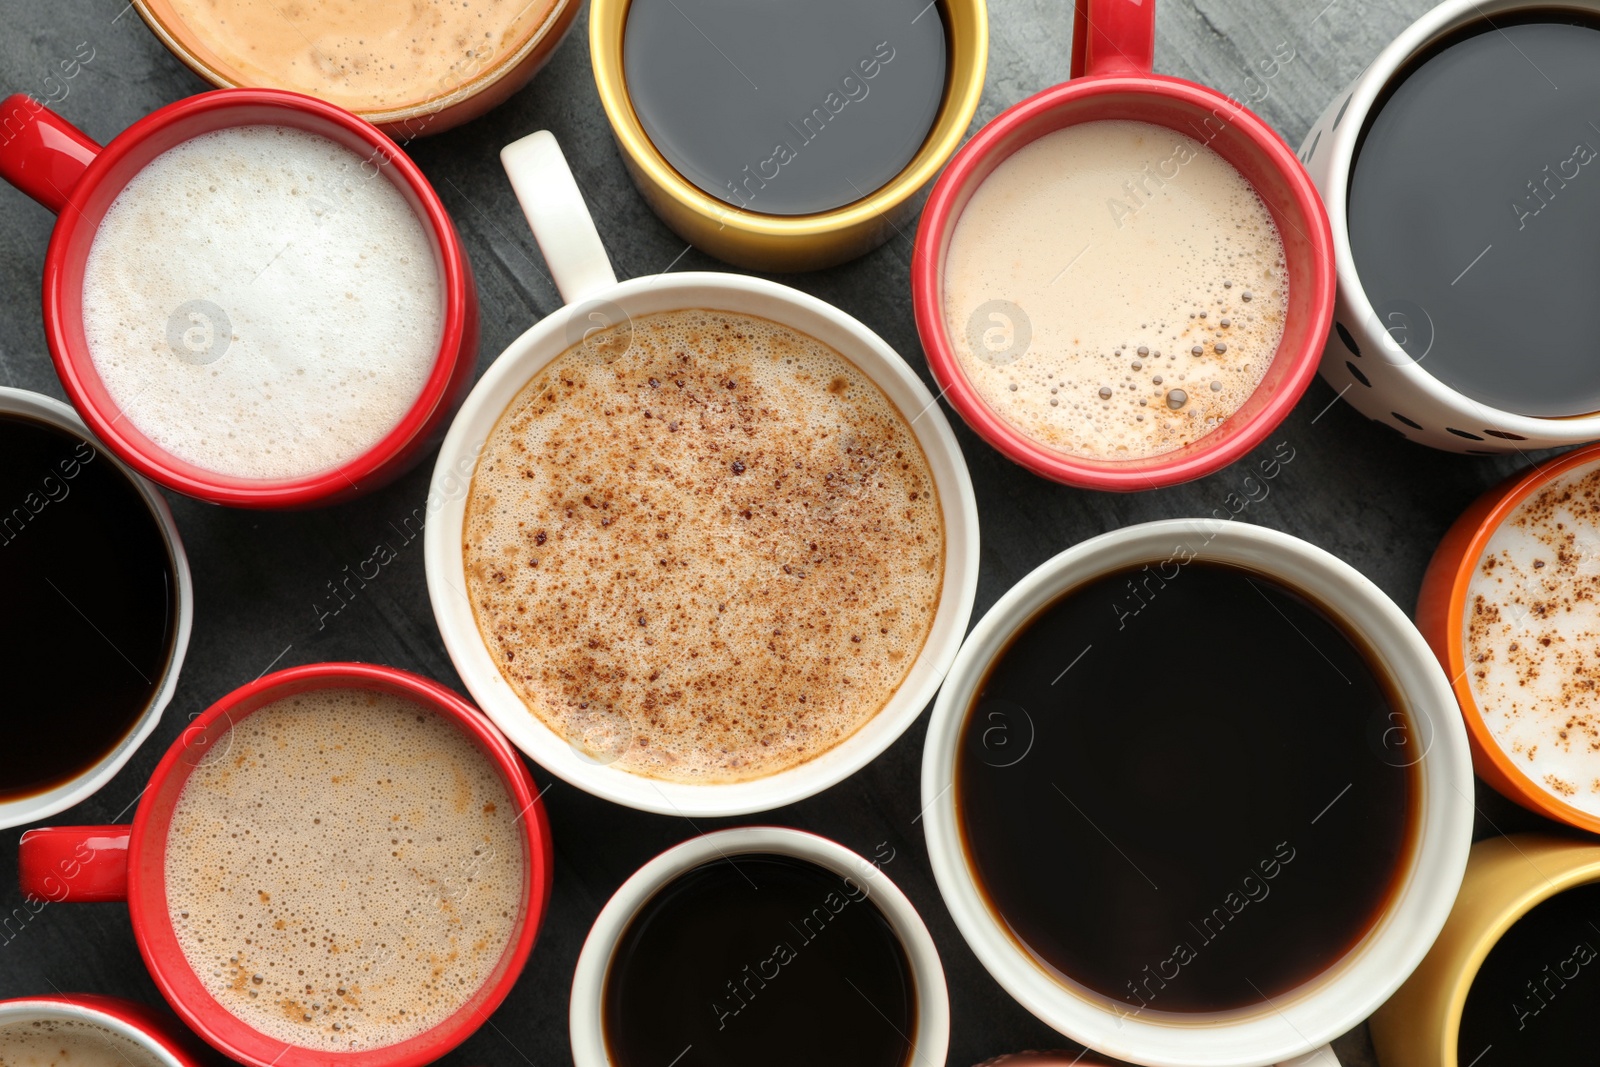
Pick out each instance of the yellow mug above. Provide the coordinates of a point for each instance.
(790, 242)
(1506, 878)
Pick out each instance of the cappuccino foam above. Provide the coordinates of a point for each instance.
(1115, 290)
(1532, 637)
(262, 302)
(707, 550)
(344, 869)
(70, 1043)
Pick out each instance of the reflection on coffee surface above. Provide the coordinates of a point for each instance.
(1474, 199)
(703, 546)
(1115, 290)
(365, 55)
(69, 1043)
(786, 107)
(1187, 788)
(88, 582)
(1532, 637)
(344, 869)
(262, 302)
(759, 959)
(1533, 998)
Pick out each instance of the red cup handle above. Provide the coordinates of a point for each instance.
(42, 153)
(87, 864)
(1113, 37)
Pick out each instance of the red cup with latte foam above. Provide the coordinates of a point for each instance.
(1112, 54)
(116, 863)
(69, 173)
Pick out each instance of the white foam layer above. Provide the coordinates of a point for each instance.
(706, 552)
(1532, 637)
(1151, 285)
(262, 303)
(69, 1043)
(344, 870)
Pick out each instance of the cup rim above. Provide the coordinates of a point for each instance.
(75, 366)
(1343, 995)
(32, 808)
(1342, 140)
(157, 940)
(481, 411)
(130, 1019)
(959, 104)
(942, 212)
(594, 961)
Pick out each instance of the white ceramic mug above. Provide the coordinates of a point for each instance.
(1336, 1000)
(38, 806)
(1322, 1057)
(931, 1039)
(156, 1035)
(595, 299)
(1364, 359)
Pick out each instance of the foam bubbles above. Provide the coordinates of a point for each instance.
(69, 1043)
(346, 871)
(725, 543)
(262, 302)
(1148, 269)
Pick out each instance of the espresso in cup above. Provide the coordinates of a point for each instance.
(1115, 290)
(344, 869)
(263, 303)
(67, 1042)
(759, 958)
(87, 574)
(703, 546)
(1185, 787)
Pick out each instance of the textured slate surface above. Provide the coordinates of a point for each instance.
(1353, 487)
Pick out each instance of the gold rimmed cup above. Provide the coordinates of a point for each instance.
(790, 242)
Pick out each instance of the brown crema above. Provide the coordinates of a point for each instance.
(703, 547)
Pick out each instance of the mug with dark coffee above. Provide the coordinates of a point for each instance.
(1197, 794)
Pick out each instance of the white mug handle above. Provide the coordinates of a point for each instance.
(558, 216)
(1322, 1057)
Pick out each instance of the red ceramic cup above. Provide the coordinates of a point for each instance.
(114, 863)
(153, 1031)
(1113, 45)
(59, 166)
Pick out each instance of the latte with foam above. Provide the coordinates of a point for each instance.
(262, 303)
(59, 1042)
(344, 869)
(1115, 290)
(704, 547)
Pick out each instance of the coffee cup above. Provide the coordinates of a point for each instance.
(736, 226)
(1323, 1057)
(1431, 1020)
(596, 301)
(117, 727)
(130, 863)
(929, 1038)
(128, 1032)
(1113, 46)
(1482, 597)
(1403, 354)
(67, 172)
(1154, 1018)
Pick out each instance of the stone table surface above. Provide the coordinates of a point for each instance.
(1353, 487)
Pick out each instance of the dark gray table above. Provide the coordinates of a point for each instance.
(1353, 487)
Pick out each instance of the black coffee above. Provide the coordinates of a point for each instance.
(1474, 202)
(1176, 788)
(786, 107)
(1533, 1000)
(87, 582)
(760, 959)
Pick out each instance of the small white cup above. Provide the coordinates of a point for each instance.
(1326, 1006)
(29, 809)
(595, 299)
(929, 1043)
(1364, 361)
(136, 1023)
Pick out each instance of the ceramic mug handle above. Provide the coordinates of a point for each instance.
(45, 155)
(558, 216)
(1113, 37)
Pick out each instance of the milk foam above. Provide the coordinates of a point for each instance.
(1149, 274)
(69, 1043)
(344, 870)
(706, 552)
(326, 281)
(1532, 637)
